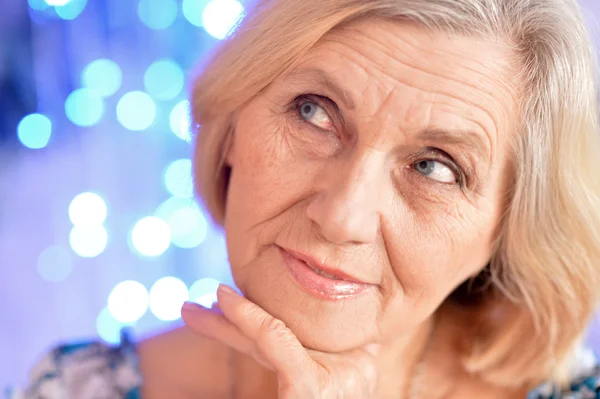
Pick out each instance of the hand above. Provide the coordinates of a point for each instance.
(302, 373)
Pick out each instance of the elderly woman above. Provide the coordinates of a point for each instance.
(410, 194)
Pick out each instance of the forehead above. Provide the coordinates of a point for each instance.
(399, 70)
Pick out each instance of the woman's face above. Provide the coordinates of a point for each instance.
(380, 158)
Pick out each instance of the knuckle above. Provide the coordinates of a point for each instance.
(272, 325)
(249, 311)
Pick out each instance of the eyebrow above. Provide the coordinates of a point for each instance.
(322, 78)
(464, 138)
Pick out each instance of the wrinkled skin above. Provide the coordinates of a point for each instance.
(383, 153)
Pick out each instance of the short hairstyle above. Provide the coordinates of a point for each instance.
(542, 282)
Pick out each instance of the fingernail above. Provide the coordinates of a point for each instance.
(224, 289)
(191, 307)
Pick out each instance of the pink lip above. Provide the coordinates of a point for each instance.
(318, 285)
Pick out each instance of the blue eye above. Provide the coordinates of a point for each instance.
(308, 110)
(436, 170)
(315, 115)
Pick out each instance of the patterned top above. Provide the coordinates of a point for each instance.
(94, 370)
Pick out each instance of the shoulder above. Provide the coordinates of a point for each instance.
(584, 381)
(181, 363)
(85, 370)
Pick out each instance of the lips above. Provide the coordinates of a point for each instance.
(321, 282)
(321, 272)
(322, 269)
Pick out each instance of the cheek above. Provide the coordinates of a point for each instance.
(434, 254)
(266, 180)
(260, 165)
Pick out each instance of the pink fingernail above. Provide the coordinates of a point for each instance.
(226, 290)
(191, 307)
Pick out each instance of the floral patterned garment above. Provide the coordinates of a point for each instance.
(90, 370)
(97, 371)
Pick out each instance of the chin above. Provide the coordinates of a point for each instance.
(319, 323)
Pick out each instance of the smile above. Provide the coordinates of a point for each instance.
(329, 285)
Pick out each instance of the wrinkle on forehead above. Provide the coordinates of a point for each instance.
(472, 78)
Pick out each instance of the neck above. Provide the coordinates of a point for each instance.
(402, 362)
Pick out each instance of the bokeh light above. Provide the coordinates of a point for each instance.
(88, 241)
(34, 131)
(84, 107)
(109, 328)
(180, 120)
(128, 301)
(87, 209)
(54, 264)
(219, 17)
(204, 291)
(151, 236)
(136, 110)
(38, 5)
(178, 178)
(172, 205)
(167, 295)
(103, 76)
(188, 227)
(71, 9)
(164, 79)
(57, 2)
(192, 10)
(157, 14)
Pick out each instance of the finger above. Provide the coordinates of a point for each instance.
(277, 342)
(215, 326)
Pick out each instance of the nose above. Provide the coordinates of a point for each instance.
(345, 207)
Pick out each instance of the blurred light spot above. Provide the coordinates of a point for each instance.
(204, 291)
(178, 178)
(180, 120)
(136, 110)
(151, 236)
(84, 107)
(128, 301)
(188, 227)
(88, 241)
(109, 328)
(87, 209)
(219, 17)
(215, 255)
(38, 5)
(163, 79)
(103, 77)
(34, 131)
(172, 205)
(54, 264)
(157, 14)
(192, 10)
(167, 295)
(71, 9)
(57, 2)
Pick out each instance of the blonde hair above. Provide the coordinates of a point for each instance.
(543, 278)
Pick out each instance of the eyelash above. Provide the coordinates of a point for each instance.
(429, 153)
(317, 99)
(441, 156)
